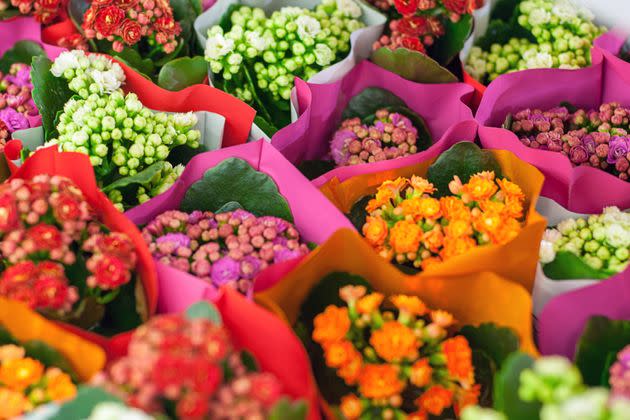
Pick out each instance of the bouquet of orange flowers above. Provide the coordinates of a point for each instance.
(402, 363)
(406, 223)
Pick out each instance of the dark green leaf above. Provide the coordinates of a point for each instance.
(226, 20)
(82, 405)
(569, 106)
(568, 266)
(311, 246)
(235, 180)
(463, 159)
(406, 269)
(185, 12)
(49, 93)
(6, 337)
(143, 177)
(204, 310)
(231, 206)
(370, 100)
(249, 361)
(182, 72)
(495, 341)
(285, 409)
(500, 32)
(448, 46)
(9, 13)
(412, 65)
(485, 370)
(266, 126)
(600, 337)
(312, 169)
(504, 9)
(133, 59)
(611, 358)
(506, 384)
(507, 124)
(22, 52)
(48, 356)
(123, 313)
(76, 10)
(358, 214)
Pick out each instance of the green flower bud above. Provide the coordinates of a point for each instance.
(622, 253)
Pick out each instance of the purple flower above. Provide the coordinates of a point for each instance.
(13, 119)
(379, 125)
(21, 78)
(618, 147)
(620, 374)
(177, 239)
(250, 266)
(241, 214)
(589, 143)
(339, 144)
(578, 154)
(225, 270)
(195, 217)
(280, 240)
(285, 254)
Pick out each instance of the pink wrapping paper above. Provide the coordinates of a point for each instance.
(321, 105)
(611, 41)
(24, 29)
(314, 216)
(579, 189)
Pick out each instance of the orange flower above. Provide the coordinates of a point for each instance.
(428, 262)
(435, 400)
(458, 358)
(412, 207)
(369, 303)
(18, 374)
(457, 246)
(479, 188)
(430, 208)
(421, 373)
(380, 381)
(442, 318)
(10, 352)
(351, 407)
(509, 230)
(421, 185)
(375, 230)
(405, 237)
(385, 192)
(410, 304)
(433, 239)
(59, 385)
(510, 189)
(395, 341)
(351, 293)
(338, 353)
(492, 206)
(454, 208)
(352, 369)
(331, 325)
(466, 397)
(458, 227)
(12, 403)
(513, 207)
(418, 415)
(455, 186)
(488, 222)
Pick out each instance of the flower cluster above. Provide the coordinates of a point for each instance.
(419, 22)
(127, 22)
(224, 249)
(601, 241)
(44, 11)
(406, 224)
(25, 383)
(558, 385)
(597, 138)
(16, 104)
(120, 135)
(390, 136)
(47, 231)
(292, 42)
(387, 356)
(189, 364)
(563, 33)
(619, 377)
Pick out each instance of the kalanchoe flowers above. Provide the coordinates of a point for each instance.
(391, 136)
(47, 232)
(224, 249)
(409, 226)
(597, 138)
(386, 356)
(44, 11)
(619, 377)
(16, 104)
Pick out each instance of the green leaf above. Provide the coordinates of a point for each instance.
(231, 206)
(204, 310)
(50, 93)
(284, 409)
(370, 100)
(507, 124)
(235, 180)
(600, 337)
(568, 266)
(412, 65)
(6, 337)
(485, 370)
(569, 106)
(82, 405)
(22, 52)
(249, 361)
(182, 72)
(358, 214)
(76, 10)
(495, 341)
(266, 126)
(463, 159)
(505, 9)
(185, 12)
(506, 384)
(141, 178)
(312, 169)
(123, 313)
(133, 59)
(448, 46)
(49, 356)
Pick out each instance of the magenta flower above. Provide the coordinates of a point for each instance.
(225, 270)
(14, 120)
(339, 146)
(620, 374)
(578, 154)
(176, 239)
(618, 147)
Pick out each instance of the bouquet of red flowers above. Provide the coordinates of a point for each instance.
(44, 11)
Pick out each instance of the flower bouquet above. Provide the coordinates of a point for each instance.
(466, 211)
(44, 11)
(369, 116)
(68, 253)
(233, 213)
(255, 49)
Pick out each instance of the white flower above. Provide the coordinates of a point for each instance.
(539, 17)
(541, 60)
(291, 11)
(589, 405)
(614, 215)
(586, 13)
(474, 412)
(66, 60)
(308, 27)
(256, 40)
(553, 366)
(546, 252)
(107, 81)
(323, 55)
(349, 8)
(617, 236)
(552, 235)
(218, 47)
(567, 226)
(79, 115)
(565, 10)
(619, 408)
(117, 411)
(187, 119)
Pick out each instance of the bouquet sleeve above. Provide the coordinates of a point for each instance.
(24, 28)
(514, 260)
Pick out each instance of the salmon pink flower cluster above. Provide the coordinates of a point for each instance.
(44, 11)
(405, 223)
(192, 366)
(224, 249)
(49, 235)
(127, 22)
(390, 136)
(597, 138)
(402, 363)
(16, 103)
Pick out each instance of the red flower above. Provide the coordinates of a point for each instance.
(119, 245)
(414, 44)
(67, 208)
(23, 293)
(50, 269)
(168, 372)
(192, 406)
(435, 26)
(205, 376)
(46, 237)
(406, 7)
(18, 273)
(51, 292)
(459, 6)
(167, 25)
(126, 4)
(109, 272)
(266, 388)
(8, 212)
(413, 25)
(48, 4)
(89, 17)
(218, 345)
(108, 20)
(130, 31)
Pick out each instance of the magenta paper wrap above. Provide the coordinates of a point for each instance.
(578, 189)
(320, 107)
(314, 216)
(611, 41)
(24, 29)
